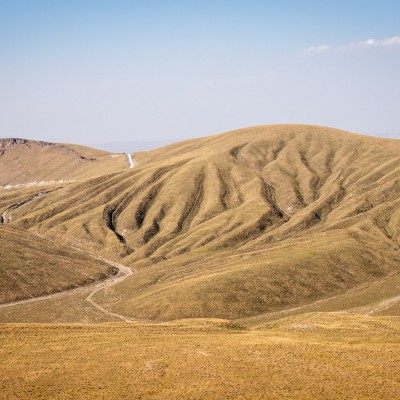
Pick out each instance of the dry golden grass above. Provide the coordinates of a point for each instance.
(235, 225)
(275, 228)
(317, 356)
(31, 266)
(27, 161)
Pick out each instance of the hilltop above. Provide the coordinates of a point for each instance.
(30, 162)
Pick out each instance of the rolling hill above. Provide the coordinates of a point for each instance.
(235, 225)
(29, 163)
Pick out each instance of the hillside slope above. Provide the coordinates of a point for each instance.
(31, 162)
(31, 266)
(237, 224)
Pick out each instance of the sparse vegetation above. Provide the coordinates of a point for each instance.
(32, 267)
(234, 225)
(29, 162)
(317, 356)
(266, 257)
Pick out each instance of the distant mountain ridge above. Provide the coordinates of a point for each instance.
(25, 161)
(8, 143)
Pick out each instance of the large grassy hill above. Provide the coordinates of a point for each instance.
(233, 225)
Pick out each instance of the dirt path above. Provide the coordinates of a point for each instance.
(130, 160)
(378, 307)
(283, 313)
(6, 218)
(370, 309)
(123, 273)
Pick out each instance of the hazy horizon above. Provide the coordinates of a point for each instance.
(129, 72)
(143, 145)
(126, 146)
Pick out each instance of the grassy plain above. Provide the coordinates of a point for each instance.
(314, 356)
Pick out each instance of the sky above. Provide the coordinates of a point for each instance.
(96, 71)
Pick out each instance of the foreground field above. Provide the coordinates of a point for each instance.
(313, 356)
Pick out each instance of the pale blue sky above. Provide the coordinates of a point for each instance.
(101, 71)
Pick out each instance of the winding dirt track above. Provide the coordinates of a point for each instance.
(383, 305)
(286, 312)
(3, 217)
(123, 273)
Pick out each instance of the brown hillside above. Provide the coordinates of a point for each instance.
(237, 224)
(26, 161)
(31, 266)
